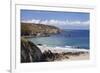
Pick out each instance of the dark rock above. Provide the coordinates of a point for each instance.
(29, 52)
(48, 56)
(39, 44)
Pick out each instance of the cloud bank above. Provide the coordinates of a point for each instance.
(61, 23)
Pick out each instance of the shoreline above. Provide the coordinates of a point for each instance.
(68, 53)
(62, 49)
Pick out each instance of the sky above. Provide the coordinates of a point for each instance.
(63, 20)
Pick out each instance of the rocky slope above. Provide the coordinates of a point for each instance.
(35, 30)
(31, 53)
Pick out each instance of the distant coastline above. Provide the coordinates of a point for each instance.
(38, 30)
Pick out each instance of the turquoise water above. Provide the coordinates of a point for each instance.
(73, 38)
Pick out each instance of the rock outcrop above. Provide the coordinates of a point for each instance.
(48, 56)
(29, 52)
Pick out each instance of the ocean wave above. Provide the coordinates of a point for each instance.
(69, 48)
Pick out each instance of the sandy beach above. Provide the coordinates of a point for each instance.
(68, 53)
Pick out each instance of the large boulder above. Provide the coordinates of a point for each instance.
(48, 56)
(29, 52)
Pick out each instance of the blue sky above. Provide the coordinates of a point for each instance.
(64, 20)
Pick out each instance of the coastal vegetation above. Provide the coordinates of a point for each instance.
(38, 30)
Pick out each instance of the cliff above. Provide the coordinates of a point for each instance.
(33, 29)
(29, 52)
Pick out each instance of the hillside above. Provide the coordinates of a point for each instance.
(34, 30)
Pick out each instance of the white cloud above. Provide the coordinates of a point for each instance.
(31, 21)
(59, 22)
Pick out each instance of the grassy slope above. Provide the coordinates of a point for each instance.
(32, 28)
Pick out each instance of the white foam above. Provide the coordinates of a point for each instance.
(72, 49)
(68, 48)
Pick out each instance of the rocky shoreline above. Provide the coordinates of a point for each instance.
(62, 54)
(32, 53)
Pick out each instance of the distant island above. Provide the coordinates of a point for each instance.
(38, 30)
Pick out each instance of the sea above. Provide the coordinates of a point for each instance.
(67, 38)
